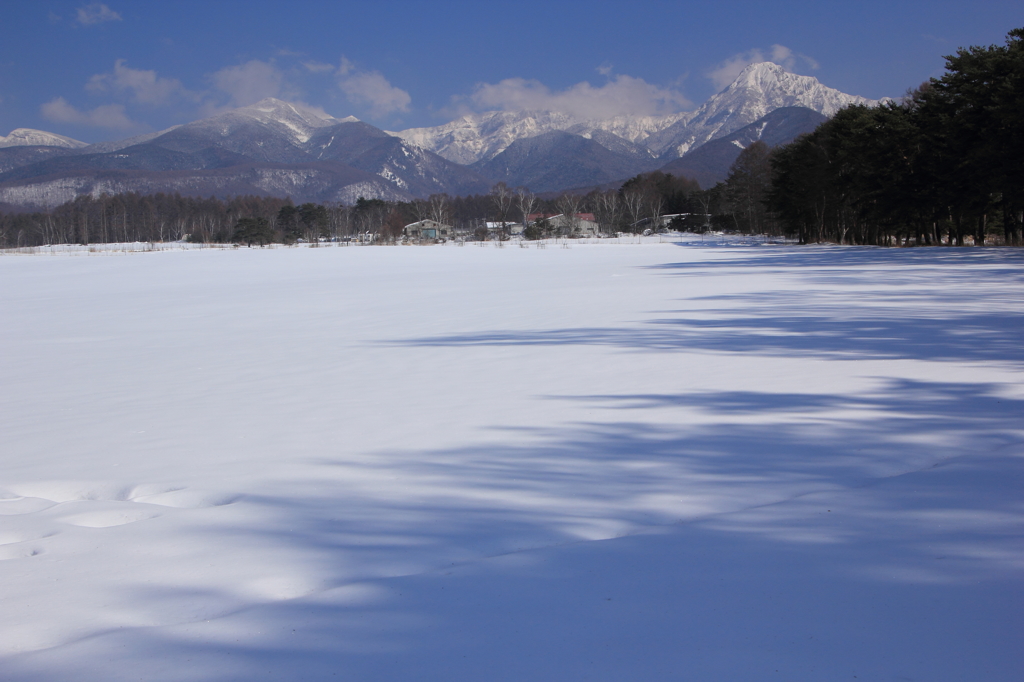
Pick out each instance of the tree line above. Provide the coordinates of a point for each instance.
(258, 220)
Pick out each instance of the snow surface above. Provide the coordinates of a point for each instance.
(614, 461)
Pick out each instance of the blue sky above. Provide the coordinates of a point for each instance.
(103, 71)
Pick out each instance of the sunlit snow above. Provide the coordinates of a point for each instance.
(660, 461)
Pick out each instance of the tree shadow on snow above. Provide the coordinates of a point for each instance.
(826, 536)
(871, 534)
(827, 257)
(861, 335)
(897, 316)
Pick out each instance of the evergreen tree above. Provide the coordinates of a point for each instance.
(253, 231)
(748, 185)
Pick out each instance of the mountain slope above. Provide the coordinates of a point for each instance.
(410, 168)
(613, 142)
(27, 137)
(556, 160)
(16, 157)
(318, 182)
(758, 90)
(479, 137)
(117, 145)
(709, 163)
(143, 157)
(270, 133)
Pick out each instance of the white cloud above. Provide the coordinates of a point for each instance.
(106, 116)
(250, 82)
(145, 87)
(371, 88)
(96, 13)
(621, 95)
(318, 67)
(726, 72)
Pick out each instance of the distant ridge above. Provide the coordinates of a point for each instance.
(479, 137)
(557, 159)
(710, 162)
(759, 89)
(27, 137)
(271, 147)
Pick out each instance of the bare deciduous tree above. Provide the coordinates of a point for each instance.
(502, 197)
(440, 209)
(569, 205)
(704, 200)
(633, 201)
(609, 210)
(526, 201)
(655, 202)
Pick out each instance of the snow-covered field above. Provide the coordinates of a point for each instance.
(607, 462)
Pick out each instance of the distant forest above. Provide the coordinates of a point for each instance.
(641, 203)
(944, 165)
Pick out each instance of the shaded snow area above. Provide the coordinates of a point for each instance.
(605, 462)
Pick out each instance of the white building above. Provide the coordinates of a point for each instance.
(582, 225)
(427, 229)
(513, 229)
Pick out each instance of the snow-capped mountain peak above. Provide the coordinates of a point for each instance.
(272, 109)
(300, 121)
(27, 137)
(772, 86)
(474, 137)
(758, 90)
(480, 137)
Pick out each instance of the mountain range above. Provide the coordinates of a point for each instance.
(285, 149)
